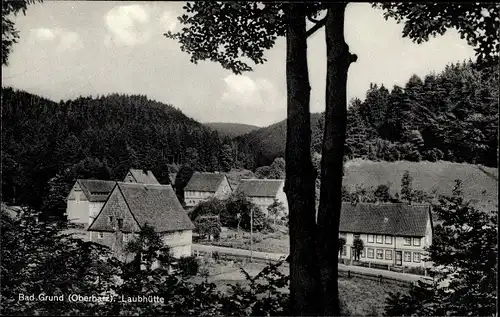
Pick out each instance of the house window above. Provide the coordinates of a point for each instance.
(380, 254)
(100, 235)
(388, 240)
(407, 256)
(125, 238)
(344, 250)
(362, 254)
(120, 223)
(416, 242)
(110, 219)
(343, 235)
(356, 236)
(370, 238)
(369, 253)
(416, 257)
(388, 254)
(380, 239)
(407, 241)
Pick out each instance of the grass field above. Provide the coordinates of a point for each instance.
(275, 242)
(360, 297)
(479, 183)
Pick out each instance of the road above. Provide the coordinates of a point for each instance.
(277, 256)
(238, 252)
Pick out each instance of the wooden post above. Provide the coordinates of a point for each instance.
(251, 235)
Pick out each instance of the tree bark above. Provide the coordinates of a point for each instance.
(338, 61)
(300, 174)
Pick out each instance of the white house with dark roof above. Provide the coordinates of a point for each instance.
(85, 200)
(392, 234)
(140, 176)
(130, 206)
(203, 186)
(263, 192)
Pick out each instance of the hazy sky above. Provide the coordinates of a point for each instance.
(71, 48)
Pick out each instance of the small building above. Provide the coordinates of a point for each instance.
(140, 176)
(263, 192)
(85, 200)
(392, 234)
(130, 206)
(203, 186)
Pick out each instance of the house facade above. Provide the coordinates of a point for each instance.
(392, 234)
(130, 206)
(85, 200)
(263, 192)
(140, 176)
(203, 186)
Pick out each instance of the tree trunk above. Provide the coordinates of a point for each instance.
(338, 60)
(300, 175)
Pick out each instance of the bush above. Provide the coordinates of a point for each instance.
(188, 265)
(238, 214)
(208, 226)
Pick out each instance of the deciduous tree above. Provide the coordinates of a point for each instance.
(357, 246)
(233, 33)
(10, 35)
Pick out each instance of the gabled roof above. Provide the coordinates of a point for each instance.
(96, 190)
(156, 205)
(260, 187)
(204, 182)
(394, 219)
(143, 176)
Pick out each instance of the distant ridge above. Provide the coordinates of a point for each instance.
(231, 130)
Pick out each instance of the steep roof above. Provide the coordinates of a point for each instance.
(96, 190)
(156, 205)
(143, 176)
(204, 182)
(260, 187)
(394, 219)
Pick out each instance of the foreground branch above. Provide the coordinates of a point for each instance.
(319, 24)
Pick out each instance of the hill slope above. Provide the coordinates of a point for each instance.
(231, 129)
(98, 137)
(269, 142)
(450, 116)
(479, 183)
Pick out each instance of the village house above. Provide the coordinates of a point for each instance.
(130, 206)
(85, 200)
(140, 176)
(263, 192)
(392, 234)
(87, 196)
(203, 186)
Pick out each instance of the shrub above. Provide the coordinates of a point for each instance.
(188, 265)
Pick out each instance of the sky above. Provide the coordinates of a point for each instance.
(69, 49)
